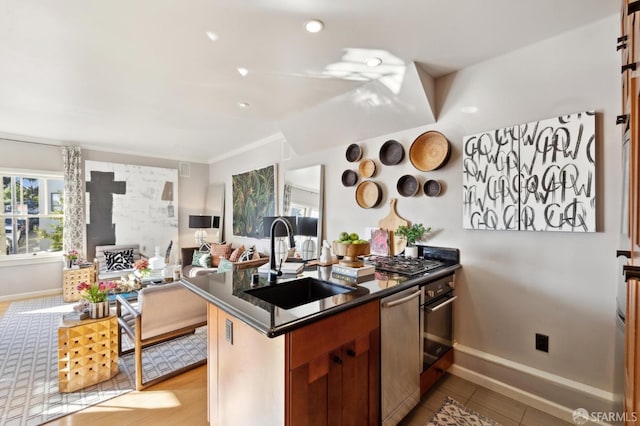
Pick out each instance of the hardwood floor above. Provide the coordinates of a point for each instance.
(181, 400)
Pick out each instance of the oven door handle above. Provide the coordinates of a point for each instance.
(435, 308)
(401, 301)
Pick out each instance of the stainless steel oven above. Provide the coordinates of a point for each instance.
(437, 324)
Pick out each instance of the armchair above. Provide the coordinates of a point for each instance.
(163, 312)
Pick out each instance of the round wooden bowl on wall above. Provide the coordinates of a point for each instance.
(430, 151)
(367, 168)
(368, 194)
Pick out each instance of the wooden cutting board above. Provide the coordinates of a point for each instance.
(391, 223)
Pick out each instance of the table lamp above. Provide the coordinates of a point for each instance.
(201, 223)
(307, 227)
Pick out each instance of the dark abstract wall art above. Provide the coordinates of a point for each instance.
(537, 176)
(253, 198)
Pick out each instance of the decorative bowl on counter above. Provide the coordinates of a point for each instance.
(350, 253)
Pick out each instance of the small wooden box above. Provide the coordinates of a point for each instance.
(87, 352)
(70, 280)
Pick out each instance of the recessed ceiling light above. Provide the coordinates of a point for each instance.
(242, 71)
(244, 104)
(373, 62)
(313, 26)
(212, 36)
(470, 109)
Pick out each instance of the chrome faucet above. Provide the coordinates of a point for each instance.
(273, 272)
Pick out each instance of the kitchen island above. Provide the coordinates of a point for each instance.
(319, 360)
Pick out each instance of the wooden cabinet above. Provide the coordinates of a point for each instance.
(326, 373)
(70, 280)
(246, 373)
(87, 352)
(333, 370)
(629, 45)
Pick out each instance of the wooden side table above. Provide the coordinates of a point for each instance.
(87, 352)
(70, 280)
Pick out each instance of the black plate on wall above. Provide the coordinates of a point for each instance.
(391, 153)
(407, 186)
(354, 153)
(349, 178)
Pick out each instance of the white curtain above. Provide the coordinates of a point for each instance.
(73, 236)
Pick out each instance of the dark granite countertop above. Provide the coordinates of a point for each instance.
(226, 291)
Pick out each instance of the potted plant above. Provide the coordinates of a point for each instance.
(96, 296)
(411, 234)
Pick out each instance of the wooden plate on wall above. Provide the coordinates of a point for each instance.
(354, 153)
(391, 153)
(430, 151)
(367, 168)
(368, 194)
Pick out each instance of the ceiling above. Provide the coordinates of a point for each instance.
(143, 77)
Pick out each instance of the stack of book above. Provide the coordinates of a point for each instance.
(348, 273)
(74, 316)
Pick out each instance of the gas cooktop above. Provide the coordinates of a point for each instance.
(404, 265)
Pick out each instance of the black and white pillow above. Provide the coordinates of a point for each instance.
(119, 260)
(247, 254)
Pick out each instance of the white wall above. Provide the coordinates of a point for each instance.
(513, 284)
(34, 277)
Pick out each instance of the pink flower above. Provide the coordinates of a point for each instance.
(83, 286)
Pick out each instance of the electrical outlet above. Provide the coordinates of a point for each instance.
(542, 342)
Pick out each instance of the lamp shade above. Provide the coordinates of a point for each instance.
(199, 221)
(280, 230)
(307, 226)
(167, 191)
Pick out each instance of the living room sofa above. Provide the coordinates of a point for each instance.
(103, 272)
(190, 270)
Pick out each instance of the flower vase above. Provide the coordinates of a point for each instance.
(69, 263)
(99, 309)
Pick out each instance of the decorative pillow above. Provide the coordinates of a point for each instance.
(247, 254)
(119, 260)
(201, 258)
(225, 266)
(235, 255)
(220, 250)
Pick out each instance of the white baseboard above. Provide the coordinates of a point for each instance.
(42, 293)
(550, 393)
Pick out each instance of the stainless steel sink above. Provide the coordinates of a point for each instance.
(297, 292)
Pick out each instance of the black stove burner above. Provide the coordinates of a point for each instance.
(404, 265)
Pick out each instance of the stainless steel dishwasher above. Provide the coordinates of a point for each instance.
(400, 354)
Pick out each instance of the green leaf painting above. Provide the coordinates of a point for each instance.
(253, 199)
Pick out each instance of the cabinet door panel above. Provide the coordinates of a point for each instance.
(355, 379)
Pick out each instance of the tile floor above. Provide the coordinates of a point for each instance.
(500, 408)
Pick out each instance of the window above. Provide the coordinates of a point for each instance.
(32, 213)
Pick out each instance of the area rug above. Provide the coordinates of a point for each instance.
(29, 364)
(452, 413)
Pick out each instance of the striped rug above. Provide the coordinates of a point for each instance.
(29, 364)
